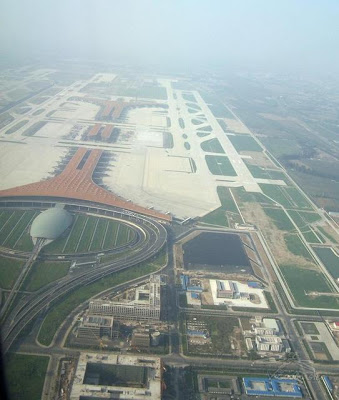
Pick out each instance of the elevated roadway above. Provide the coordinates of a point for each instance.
(154, 238)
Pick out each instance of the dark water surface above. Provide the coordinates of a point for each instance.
(218, 252)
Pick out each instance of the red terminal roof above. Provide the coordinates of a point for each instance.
(75, 182)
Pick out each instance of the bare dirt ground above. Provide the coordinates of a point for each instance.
(259, 159)
(253, 213)
(236, 126)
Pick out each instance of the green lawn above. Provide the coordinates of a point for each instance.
(244, 143)
(302, 281)
(298, 198)
(262, 173)
(302, 218)
(329, 259)
(325, 233)
(248, 197)
(276, 193)
(280, 219)
(187, 146)
(88, 233)
(310, 237)
(99, 235)
(10, 221)
(220, 165)
(216, 217)
(61, 310)
(20, 228)
(181, 123)
(296, 246)
(43, 273)
(9, 271)
(25, 375)
(212, 146)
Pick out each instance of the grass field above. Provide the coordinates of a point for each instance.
(288, 197)
(262, 173)
(9, 271)
(247, 197)
(43, 273)
(197, 121)
(216, 217)
(187, 145)
(296, 246)
(181, 123)
(207, 128)
(244, 143)
(219, 216)
(326, 234)
(33, 129)
(14, 224)
(302, 281)
(90, 233)
(329, 259)
(310, 236)
(302, 219)
(309, 328)
(212, 146)
(16, 127)
(280, 219)
(25, 375)
(61, 310)
(220, 165)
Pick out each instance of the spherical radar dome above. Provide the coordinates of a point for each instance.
(51, 223)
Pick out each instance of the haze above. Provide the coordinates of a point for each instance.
(275, 35)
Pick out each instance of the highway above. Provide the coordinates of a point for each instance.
(25, 270)
(155, 236)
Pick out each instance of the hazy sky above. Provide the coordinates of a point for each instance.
(269, 34)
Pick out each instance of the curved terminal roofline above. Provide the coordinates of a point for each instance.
(75, 182)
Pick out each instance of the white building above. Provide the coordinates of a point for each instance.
(145, 305)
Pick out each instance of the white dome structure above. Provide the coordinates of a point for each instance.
(50, 224)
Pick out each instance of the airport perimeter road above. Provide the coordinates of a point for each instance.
(156, 236)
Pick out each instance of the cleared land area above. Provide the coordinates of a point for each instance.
(220, 165)
(25, 375)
